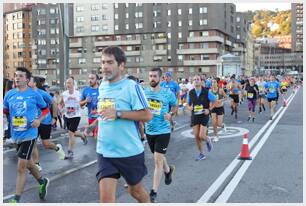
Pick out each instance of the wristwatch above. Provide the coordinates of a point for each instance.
(118, 114)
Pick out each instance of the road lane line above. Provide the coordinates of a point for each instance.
(219, 181)
(229, 189)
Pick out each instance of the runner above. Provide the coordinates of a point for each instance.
(272, 89)
(70, 105)
(158, 129)
(21, 105)
(199, 103)
(174, 87)
(261, 94)
(90, 99)
(44, 129)
(284, 85)
(252, 94)
(217, 112)
(234, 88)
(120, 152)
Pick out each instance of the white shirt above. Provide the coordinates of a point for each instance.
(72, 106)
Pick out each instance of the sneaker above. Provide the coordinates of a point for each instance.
(173, 123)
(224, 128)
(13, 201)
(168, 176)
(69, 155)
(38, 166)
(208, 144)
(60, 152)
(271, 118)
(200, 157)
(215, 139)
(153, 196)
(236, 117)
(125, 185)
(43, 189)
(249, 118)
(259, 110)
(253, 119)
(84, 139)
(232, 112)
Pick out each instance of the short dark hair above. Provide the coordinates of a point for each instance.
(23, 69)
(157, 69)
(39, 81)
(133, 78)
(117, 52)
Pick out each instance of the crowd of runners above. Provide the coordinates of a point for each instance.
(123, 114)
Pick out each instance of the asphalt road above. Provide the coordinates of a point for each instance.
(274, 175)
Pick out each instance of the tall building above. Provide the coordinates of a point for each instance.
(93, 19)
(17, 40)
(47, 45)
(297, 26)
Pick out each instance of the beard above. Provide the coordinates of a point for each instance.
(153, 84)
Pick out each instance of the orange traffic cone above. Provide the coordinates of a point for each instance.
(245, 154)
(284, 102)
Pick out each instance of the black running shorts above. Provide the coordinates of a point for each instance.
(235, 97)
(158, 143)
(73, 123)
(218, 110)
(44, 131)
(24, 149)
(199, 119)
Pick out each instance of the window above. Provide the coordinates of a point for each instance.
(80, 29)
(54, 41)
(126, 26)
(204, 45)
(52, 11)
(169, 12)
(156, 13)
(95, 28)
(179, 11)
(116, 16)
(139, 59)
(126, 15)
(204, 57)
(41, 22)
(95, 18)
(80, 19)
(190, 23)
(82, 61)
(204, 33)
(104, 6)
(180, 58)
(41, 42)
(105, 27)
(190, 11)
(42, 52)
(42, 61)
(238, 19)
(41, 32)
(169, 23)
(19, 25)
(179, 35)
(203, 10)
(191, 34)
(96, 60)
(79, 8)
(129, 48)
(238, 36)
(53, 21)
(179, 23)
(169, 47)
(139, 25)
(203, 21)
(41, 12)
(116, 6)
(169, 35)
(126, 5)
(95, 7)
(138, 4)
(116, 27)
(52, 31)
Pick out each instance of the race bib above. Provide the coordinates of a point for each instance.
(19, 123)
(271, 89)
(250, 95)
(155, 106)
(71, 111)
(198, 109)
(106, 103)
(261, 88)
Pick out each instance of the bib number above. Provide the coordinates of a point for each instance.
(250, 95)
(19, 123)
(155, 106)
(198, 109)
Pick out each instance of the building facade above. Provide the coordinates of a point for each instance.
(297, 27)
(17, 41)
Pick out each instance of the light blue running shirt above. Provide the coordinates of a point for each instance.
(272, 88)
(48, 99)
(120, 137)
(159, 103)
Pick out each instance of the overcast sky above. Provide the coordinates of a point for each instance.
(262, 6)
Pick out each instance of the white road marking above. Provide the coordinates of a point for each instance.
(230, 132)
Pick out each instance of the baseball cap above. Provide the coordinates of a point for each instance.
(168, 74)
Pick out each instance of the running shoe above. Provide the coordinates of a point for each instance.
(43, 189)
(249, 118)
(13, 201)
(168, 176)
(84, 139)
(60, 152)
(200, 157)
(253, 119)
(208, 144)
(153, 196)
(215, 139)
(69, 155)
(38, 166)
(271, 118)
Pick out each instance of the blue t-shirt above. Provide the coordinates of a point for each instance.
(92, 105)
(159, 103)
(23, 108)
(172, 85)
(272, 88)
(208, 84)
(120, 137)
(211, 96)
(48, 99)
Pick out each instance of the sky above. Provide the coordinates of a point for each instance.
(260, 6)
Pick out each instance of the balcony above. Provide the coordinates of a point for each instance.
(206, 39)
(51, 66)
(34, 46)
(160, 52)
(75, 55)
(198, 51)
(239, 49)
(160, 41)
(98, 54)
(132, 53)
(75, 44)
(229, 43)
(200, 62)
(117, 43)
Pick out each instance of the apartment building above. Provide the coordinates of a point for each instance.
(297, 26)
